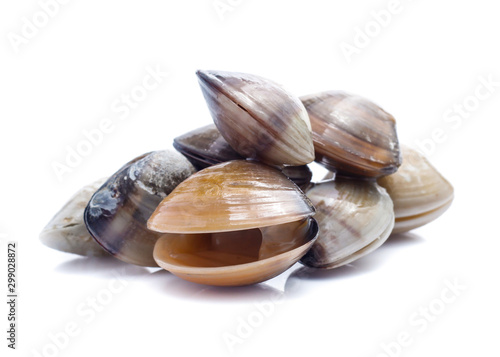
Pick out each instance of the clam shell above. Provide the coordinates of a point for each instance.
(67, 232)
(352, 135)
(258, 118)
(116, 214)
(235, 258)
(234, 195)
(419, 192)
(205, 147)
(300, 175)
(354, 217)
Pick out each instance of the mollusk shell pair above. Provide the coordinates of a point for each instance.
(235, 223)
(419, 192)
(258, 118)
(352, 136)
(116, 214)
(355, 217)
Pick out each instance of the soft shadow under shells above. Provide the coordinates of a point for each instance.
(366, 264)
(169, 284)
(100, 266)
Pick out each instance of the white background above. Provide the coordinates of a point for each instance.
(427, 59)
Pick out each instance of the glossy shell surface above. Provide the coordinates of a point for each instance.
(117, 213)
(355, 218)
(205, 147)
(236, 258)
(258, 118)
(352, 136)
(235, 223)
(231, 196)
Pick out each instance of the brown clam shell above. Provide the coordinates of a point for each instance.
(258, 118)
(235, 223)
(352, 136)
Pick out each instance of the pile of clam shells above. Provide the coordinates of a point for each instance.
(235, 205)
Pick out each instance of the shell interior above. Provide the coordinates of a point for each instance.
(236, 258)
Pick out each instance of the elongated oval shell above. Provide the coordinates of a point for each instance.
(258, 118)
(419, 192)
(236, 258)
(231, 196)
(205, 147)
(354, 217)
(352, 135)
(117, 213)
(67, 232)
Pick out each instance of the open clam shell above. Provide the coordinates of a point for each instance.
(116, 214)
(352, 136)
(354, 217)
(67, 232)
(234, 258)
(234, 223)
(258, 118)
(419, 192)
(205, 147)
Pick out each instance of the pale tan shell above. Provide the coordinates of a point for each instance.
(352, 136)
(258, 118)
(67, 232)
(419, 192)
(231, 196)
(355, 218)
